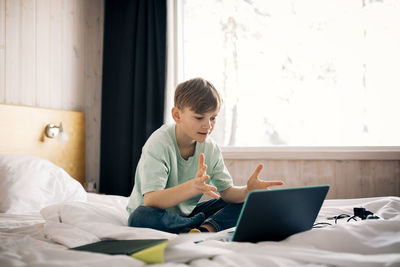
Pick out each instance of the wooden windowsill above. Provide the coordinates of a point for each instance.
(312, 153)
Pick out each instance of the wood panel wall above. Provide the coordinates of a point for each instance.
(347, 178)
(51, 57)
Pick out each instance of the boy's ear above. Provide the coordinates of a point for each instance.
(176, 114)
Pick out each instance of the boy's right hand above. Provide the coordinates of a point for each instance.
(199, 181)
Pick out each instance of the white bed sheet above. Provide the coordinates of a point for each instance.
(43, 241)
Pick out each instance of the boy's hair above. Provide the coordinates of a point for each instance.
(199, 95)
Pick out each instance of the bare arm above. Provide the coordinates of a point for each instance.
(167, 198)
(236, 194)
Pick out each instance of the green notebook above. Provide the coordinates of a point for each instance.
(147, 250)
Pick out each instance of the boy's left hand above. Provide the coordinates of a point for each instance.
(254, 183)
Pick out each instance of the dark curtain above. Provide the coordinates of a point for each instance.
(134, 70)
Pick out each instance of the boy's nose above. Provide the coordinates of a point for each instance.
(207, 125)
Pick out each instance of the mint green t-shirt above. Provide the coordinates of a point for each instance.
(161, 166)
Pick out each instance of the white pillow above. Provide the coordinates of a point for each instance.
(27, 184)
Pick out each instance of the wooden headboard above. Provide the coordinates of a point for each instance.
(22, 132)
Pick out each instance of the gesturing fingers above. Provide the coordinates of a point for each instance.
(203, 188)
(257, 172)
(201, 179)
(255, 183)
(271, 183)
(201, 159)
(202, 167)
(204, 179)
(209, 189)
(212, 194)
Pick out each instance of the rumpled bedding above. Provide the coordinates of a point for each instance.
(45, 241)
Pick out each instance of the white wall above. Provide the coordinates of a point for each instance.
(51, 56)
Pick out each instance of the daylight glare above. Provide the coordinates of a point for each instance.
(298, 73)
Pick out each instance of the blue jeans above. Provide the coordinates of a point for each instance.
(218, 213)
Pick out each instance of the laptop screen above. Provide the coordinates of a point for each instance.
(273, 215)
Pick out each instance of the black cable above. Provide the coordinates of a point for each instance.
(340, 216)
(352, 218)
(321, 225)
(360, 213)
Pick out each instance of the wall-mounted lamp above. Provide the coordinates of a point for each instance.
(52, 131)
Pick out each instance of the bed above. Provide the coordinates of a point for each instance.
(44, 211)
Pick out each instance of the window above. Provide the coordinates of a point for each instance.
(298, 73)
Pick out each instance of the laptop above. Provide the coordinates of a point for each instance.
(275, 214)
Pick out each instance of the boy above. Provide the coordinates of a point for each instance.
(179, 163)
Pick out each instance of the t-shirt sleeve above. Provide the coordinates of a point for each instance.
(153, 169)
(220, 176)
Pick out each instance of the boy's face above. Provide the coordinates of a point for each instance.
(193, 125)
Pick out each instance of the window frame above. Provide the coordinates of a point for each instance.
(175, 74)
(312, 153)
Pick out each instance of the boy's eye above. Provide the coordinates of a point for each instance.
(199, 118)
(212, 118)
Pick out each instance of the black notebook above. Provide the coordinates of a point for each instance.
(147, 250)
